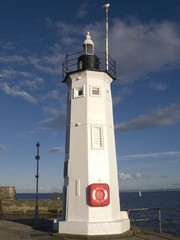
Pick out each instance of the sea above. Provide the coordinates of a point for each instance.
(143, 210)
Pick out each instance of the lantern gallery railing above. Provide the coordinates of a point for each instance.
(80, 61)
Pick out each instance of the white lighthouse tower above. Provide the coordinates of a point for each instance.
(91, 203)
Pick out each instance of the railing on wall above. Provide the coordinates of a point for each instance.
(70, 64)
(146, 218)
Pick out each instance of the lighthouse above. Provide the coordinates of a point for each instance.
(91, 204)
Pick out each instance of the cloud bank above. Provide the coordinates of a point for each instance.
(150, 155)
(139, 48)
(129, 176)
(56, 149)
(144, 47)
(161, 117)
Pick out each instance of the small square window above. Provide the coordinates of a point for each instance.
(95, 91)
(79, 92)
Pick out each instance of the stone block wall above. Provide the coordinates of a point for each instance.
(18, 207)
(9, 204)
(7, 193)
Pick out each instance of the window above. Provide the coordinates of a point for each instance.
(97, 137)
(94, 91)
(79, 92)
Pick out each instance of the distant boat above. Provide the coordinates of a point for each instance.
(140, 194)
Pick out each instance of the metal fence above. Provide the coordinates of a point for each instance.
(144, 217)
(70, 64)
(158, 219)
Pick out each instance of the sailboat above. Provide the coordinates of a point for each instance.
(140, 194)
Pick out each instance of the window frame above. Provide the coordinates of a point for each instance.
(76, 92)
(93, 88)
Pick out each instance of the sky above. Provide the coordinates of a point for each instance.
(144, 40)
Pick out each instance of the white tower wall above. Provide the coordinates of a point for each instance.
(90, 157)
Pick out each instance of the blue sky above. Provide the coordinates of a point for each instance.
(144, 39)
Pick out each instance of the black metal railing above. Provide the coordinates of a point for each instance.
(70, 64)
(156, 219)
(144, 218)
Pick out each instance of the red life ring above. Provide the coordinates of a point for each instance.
(99, 194)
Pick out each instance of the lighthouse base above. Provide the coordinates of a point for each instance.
(95, 228)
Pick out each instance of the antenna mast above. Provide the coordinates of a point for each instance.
(106, 52)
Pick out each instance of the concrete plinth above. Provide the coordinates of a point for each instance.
(93, 228)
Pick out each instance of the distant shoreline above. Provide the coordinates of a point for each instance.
(153, 190)
(121, 191)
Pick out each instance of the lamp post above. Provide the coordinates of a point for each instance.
(37, 177)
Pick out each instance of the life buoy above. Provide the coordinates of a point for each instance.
(99, 194)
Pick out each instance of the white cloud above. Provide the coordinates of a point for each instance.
(2, 148)
(161, 117)
(54, 94)
(27, 134)
(51, 110)
(141, 48)
(138, 47)
(117, 99)
(16, 91)
(150, 155)
(158, 86)
(45, 65)
(54, 122)
(129, 176)
(82, 10)
(7, 45)
(64, 29)
(20, 59)
(174, 161)
(56, 149)
(33, 83)
(24, 78)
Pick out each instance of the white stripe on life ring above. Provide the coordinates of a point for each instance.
(105, 194)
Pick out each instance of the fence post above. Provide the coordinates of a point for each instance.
(160, 221)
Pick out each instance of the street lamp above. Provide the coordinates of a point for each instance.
(37, 157)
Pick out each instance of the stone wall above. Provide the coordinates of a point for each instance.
(28, 207)
(7, 193)
(9, 204)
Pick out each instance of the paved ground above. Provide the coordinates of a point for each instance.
(26, 229)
